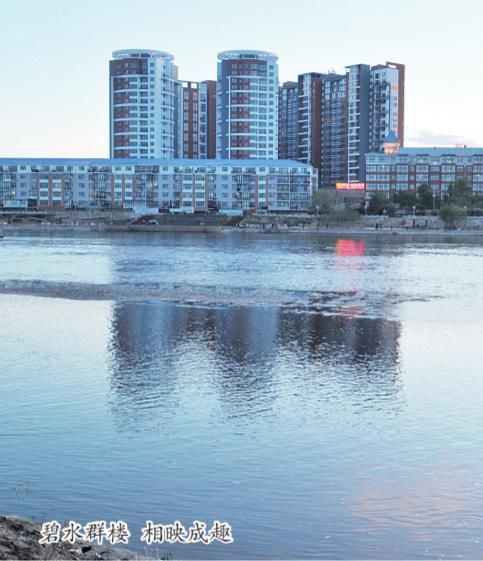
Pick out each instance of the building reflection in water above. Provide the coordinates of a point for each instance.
(237, 358)
(349, 272)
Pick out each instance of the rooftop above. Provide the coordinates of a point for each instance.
(141, 53)
(442, 151)
(434, 151)
(152, 162)
(246, 54)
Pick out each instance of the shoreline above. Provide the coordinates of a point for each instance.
(12, 230)
(19, 539)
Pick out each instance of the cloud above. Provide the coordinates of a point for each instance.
(430, 138)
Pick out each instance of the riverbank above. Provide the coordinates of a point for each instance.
(212, 223)
(19, 539)
(365, 231)
(407, 228)
(323, 231)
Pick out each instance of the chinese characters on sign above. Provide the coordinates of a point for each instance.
(197, 533)
(97, 531)
(100, 531)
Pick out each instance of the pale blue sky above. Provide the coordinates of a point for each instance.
(55, 53)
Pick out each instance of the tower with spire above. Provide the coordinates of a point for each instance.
(391, 143)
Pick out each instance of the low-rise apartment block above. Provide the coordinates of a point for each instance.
(407, 168)
(188, 185)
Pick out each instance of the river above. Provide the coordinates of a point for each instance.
(322, 395)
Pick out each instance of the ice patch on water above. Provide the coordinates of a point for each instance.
(351, 303)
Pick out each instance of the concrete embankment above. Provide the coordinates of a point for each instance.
(88, 222)
(359, 231)
(408, 227)
(164, 228)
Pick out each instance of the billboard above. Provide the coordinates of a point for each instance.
(350, 186)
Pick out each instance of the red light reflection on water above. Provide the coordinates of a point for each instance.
(350, 248)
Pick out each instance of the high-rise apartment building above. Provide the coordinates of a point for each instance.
(309, 118)
(375, 103)
(386, 104)
(193, 141)
(288, 121)
(358, 89)
(333, 161)
(340, 118)
(312, 123)
(211, 117)
(247, 105)
(197, 122)
(144, 94)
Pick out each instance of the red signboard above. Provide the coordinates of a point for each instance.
(351, 186)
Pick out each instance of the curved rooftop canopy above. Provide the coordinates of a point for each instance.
(246, 54)
(141, 53)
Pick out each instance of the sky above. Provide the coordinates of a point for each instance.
(54, 94)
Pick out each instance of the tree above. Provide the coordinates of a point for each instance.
(425, 196)
(376, 203)
(449, 214)
(324, 201)
(405, 199)
(344, 215)
(459, 193)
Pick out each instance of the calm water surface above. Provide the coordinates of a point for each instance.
(323, 396)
